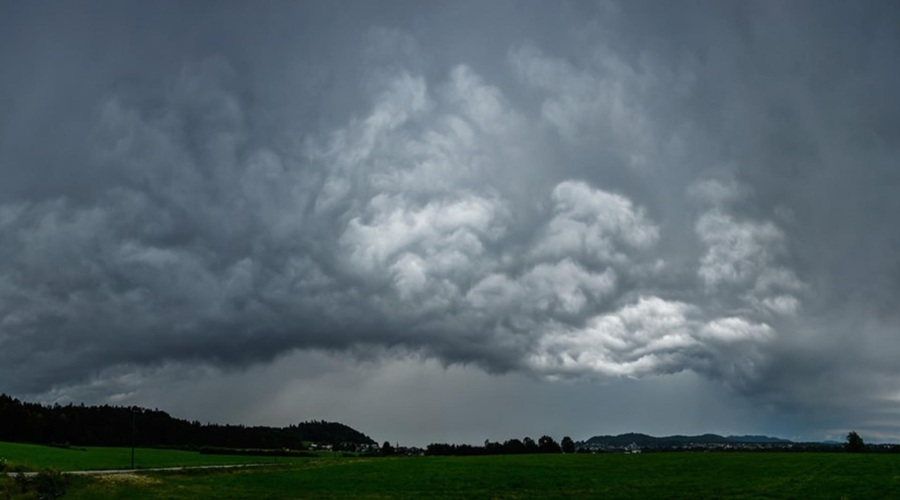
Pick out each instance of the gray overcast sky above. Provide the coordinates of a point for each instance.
(456, 221)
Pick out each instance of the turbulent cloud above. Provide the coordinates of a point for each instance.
(744, 255)
(589, 223)
(589, 194)
(587, 105)
(654, 336)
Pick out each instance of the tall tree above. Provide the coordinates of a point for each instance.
(568, 446)
(547, 444)
(854, 443)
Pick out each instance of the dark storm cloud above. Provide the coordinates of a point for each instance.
(575, 191)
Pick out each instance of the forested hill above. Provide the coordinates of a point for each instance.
(646, 441)
(118, 426)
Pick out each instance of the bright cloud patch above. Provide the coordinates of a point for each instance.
(743, 255)
(593, 225)
(650, 336)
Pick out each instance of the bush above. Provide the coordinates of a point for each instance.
(49, 483)
(22, 482)
(7, 487)
(3, 465)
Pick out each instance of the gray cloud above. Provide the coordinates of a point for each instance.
(616, 199)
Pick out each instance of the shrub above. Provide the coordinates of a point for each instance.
(49, 483)
(7, 487)
(22, 482)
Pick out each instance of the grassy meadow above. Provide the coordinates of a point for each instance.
(31, 457)
(649, 475)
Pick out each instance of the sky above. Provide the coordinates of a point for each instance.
(456, 221)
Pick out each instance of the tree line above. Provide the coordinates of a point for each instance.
(126, 426)
(545, 444)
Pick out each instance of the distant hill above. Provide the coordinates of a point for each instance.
(757, 439)
(646, 441)
(123, 426)
(328, 432)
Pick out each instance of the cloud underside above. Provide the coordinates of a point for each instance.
(600, 211)
(396, 230)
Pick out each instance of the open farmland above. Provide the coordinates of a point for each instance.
(662, 475)
(33, 457)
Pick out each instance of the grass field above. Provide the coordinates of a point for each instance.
(663, 475)
(34, 457)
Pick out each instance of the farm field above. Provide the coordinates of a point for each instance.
(663, 475)
(35, 457)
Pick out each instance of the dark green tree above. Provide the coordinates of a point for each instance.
(387, 449)
(854, 443)
(513, 446)
(568, 446)
(547, 444)
(492, 448)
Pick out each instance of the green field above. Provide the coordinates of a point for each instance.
(34, 457)
(663, 475)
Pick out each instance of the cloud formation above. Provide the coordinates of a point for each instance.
(584, 206)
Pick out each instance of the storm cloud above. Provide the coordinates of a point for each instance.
(568, 192)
